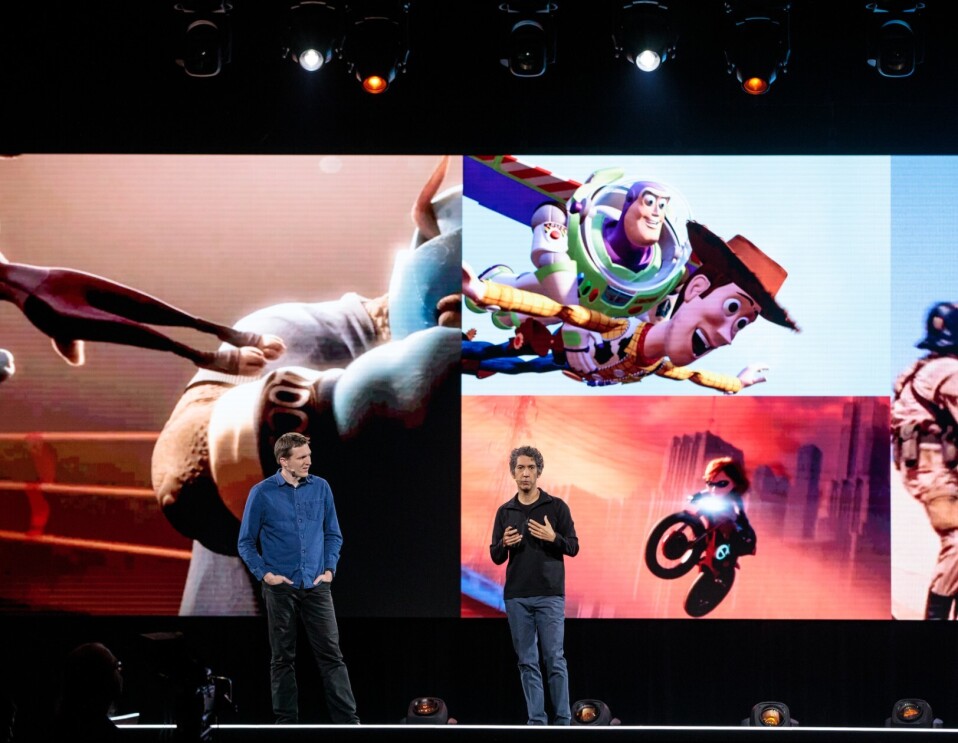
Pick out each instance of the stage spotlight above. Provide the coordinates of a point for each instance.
(912, 713)
(644, 34)
(530, 37)
(204, 36)
(770, 715)
(376, 47)
(896, 37)
(428, 711)
(592, 712)
(314, 35)
(757, 47)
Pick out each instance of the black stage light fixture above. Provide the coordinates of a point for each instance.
(376, 46)
(593, 712)
(896, 37)
(205, 36)
(912, 713)
(314, 34)
(757, 43)
(529, 46)
(770, 715)
(645, 34)
(428, 711)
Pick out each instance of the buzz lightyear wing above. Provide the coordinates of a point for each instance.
(512, 188)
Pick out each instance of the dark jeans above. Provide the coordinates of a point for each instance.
(315, 606)
(533, 620)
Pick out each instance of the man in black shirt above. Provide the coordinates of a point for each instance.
(534, 530)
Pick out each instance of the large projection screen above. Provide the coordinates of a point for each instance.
(329, 247)
(413, 441)
(837, 537)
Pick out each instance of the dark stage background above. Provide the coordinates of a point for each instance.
(829, 673)
(97, 77)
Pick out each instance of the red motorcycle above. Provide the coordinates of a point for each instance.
(711, 532)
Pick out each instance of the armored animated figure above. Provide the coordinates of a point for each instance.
(924, 435)
(736, 284)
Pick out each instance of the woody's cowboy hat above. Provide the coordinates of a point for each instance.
(746, 265)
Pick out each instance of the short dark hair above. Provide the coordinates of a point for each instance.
(526, 451)
(733, 469)
(286, 443)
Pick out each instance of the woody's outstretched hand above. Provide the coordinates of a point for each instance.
(752, 374)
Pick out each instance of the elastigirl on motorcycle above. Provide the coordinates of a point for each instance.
(726, 479)
(710, 533)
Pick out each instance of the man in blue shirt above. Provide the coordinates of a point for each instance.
(290, 540)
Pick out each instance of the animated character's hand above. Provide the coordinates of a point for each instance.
(752, 374)
(250, 361)
(472, 285)
(449, 311)
(511, 537)
(545, 532)
(579, 348)
(272, 347)
(275, 580)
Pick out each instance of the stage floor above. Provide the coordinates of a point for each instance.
(506, 733)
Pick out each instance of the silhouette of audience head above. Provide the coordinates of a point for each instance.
(92, 682)
(92, 678)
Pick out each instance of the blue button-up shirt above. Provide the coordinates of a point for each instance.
(290, 531)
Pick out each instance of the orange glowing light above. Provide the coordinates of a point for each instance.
(772, 717)
(375, 84)
(426, 706)
(909, 712)
(587, 714)
(755, 86)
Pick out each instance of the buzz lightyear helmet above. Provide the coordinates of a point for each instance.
(607, 286)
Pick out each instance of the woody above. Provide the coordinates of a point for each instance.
(736, 284)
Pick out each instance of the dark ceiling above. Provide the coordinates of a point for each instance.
(99, 77)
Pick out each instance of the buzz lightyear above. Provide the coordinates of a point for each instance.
(616, 249)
